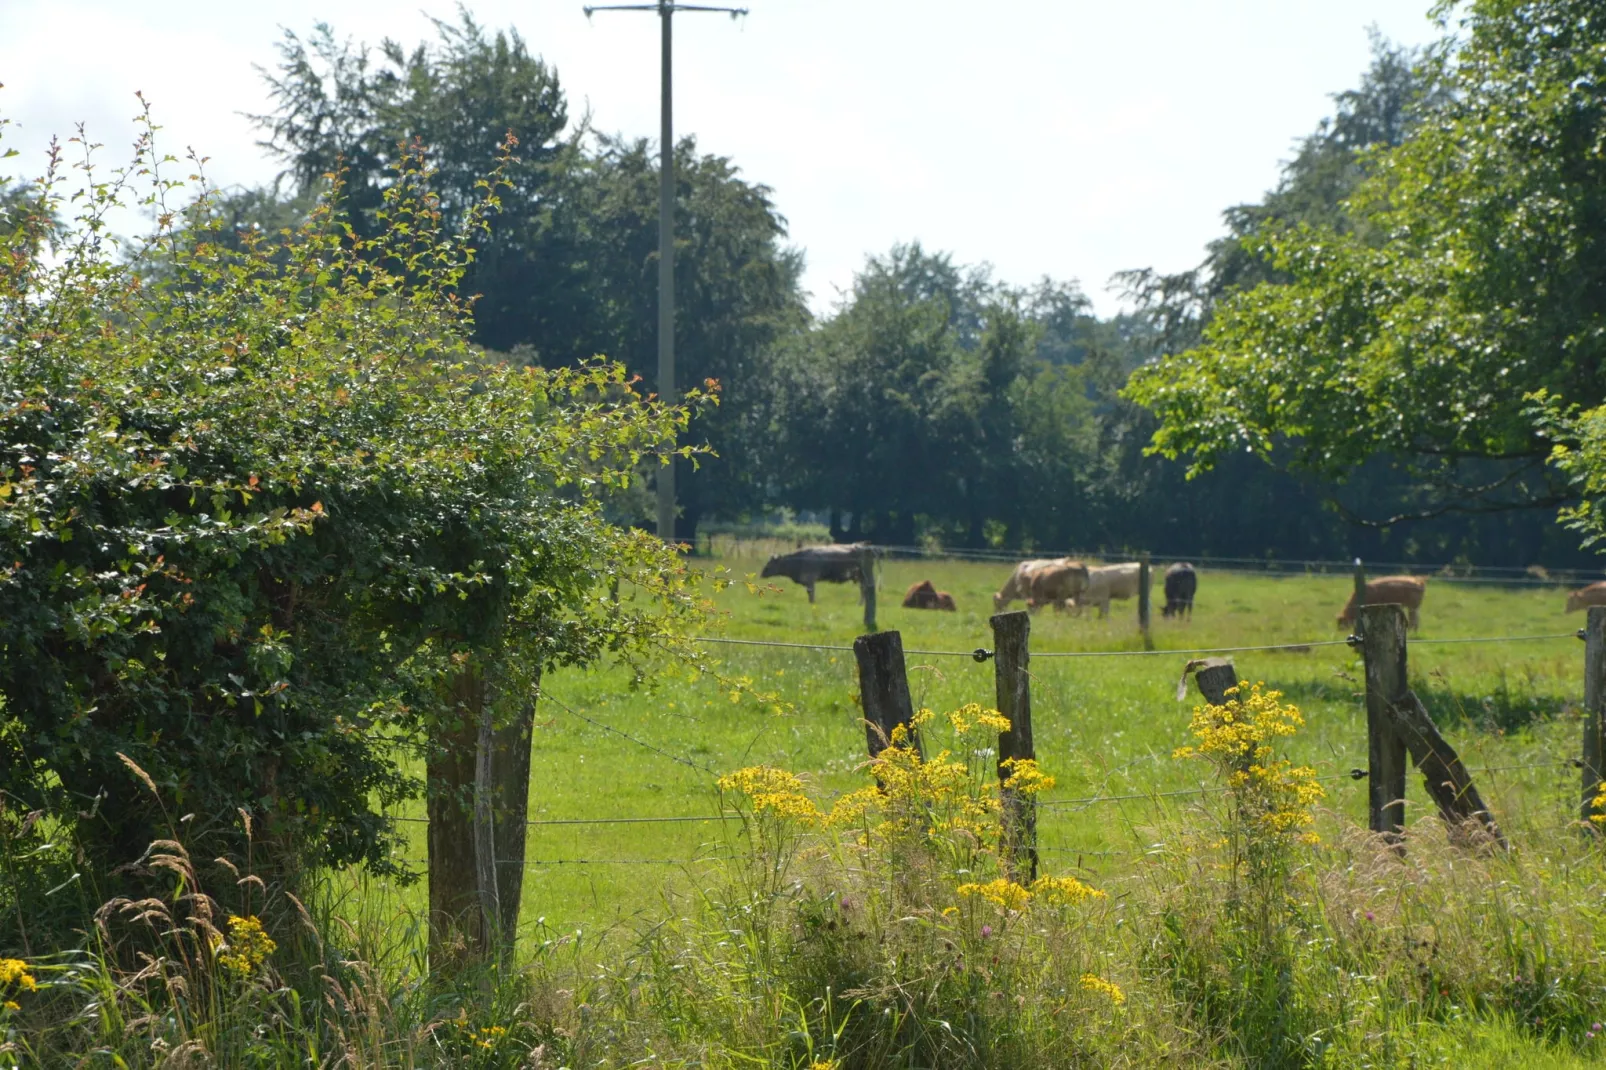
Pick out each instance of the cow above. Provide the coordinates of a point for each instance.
(1584, 597)
(1056, 584)
(1404, 591)
(1019, 583)
(924, 595)
(1181, 582)
(1105, 582)
(835, 563)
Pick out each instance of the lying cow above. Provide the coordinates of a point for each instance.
(1058, 584)
(1106, 582)
(924, 595)
(1019, 584)
(1584, 597)
(1181, 583)
(1404, 591)
(837, 563)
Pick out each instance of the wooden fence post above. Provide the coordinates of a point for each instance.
(883, 688)
(1383, 647)
(867, 586)
(1145, 577)
(1214, 677)
(1594, 756)
(1360, 594)
(1011, 656)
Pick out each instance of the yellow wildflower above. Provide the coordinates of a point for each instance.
(1060, 891)
(852, 808)
(1000, 892)
(824, 1064)
(1600, 804)
(1094, 983)
(248, 946)
(15, 972)
(1026, 776)
(968, 718)
(774, 790)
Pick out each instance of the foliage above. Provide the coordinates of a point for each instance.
(259, 498)
(568, 268)
(1469, 276)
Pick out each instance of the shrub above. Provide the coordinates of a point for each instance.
(260, 501)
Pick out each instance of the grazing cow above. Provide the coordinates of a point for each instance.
(1404, 591)
(1106, 582)
(836, 563)
(1019, 584)
(1584, 597)
(1181, 582)
(1059, 583)
(924, 595)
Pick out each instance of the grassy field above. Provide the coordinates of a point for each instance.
(1105, 726)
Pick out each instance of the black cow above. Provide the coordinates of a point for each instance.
(1181, 581)
(837, 563)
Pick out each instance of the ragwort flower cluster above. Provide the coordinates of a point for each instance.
(1271, 797)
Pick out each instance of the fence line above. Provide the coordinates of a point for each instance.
(1450, 571)
(981, 653)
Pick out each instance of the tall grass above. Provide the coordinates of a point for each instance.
(893, 927)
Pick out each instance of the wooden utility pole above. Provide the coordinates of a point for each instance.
(666, 229)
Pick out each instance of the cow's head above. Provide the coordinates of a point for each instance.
(771, 567)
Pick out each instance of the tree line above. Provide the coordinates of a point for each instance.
(934, 402)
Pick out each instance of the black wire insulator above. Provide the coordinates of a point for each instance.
(981, 654)
(1358, 774)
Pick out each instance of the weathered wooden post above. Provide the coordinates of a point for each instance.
(1144, 579)
(1360, 593)
(883, 688)
(867, 586)
(1594, 756)
(1215, 677)
(1382, 634)
(1013, 687)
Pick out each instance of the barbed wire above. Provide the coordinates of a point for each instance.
(543, 693)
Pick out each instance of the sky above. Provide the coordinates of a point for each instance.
(1065, 138)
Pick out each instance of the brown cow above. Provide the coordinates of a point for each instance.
(1019, 584)
(924, 595)
(1404, 591)
(1584, 597)
(1060, 582)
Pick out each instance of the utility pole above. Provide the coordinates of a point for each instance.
(665, 11)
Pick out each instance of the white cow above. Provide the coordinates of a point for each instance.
(1105, 582)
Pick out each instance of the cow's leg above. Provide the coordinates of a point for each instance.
(810, 588)
(1411, 618)
(1104, 610)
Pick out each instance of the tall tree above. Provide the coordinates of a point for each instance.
(1473, 271)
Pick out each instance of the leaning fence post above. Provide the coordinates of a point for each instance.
(1594, 756)
(883, 688)
(1360, 593)
(1144, 578)
(1011, 655)
(1382, 644)
(867, 585)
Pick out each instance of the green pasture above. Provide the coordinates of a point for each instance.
(1104, 726)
